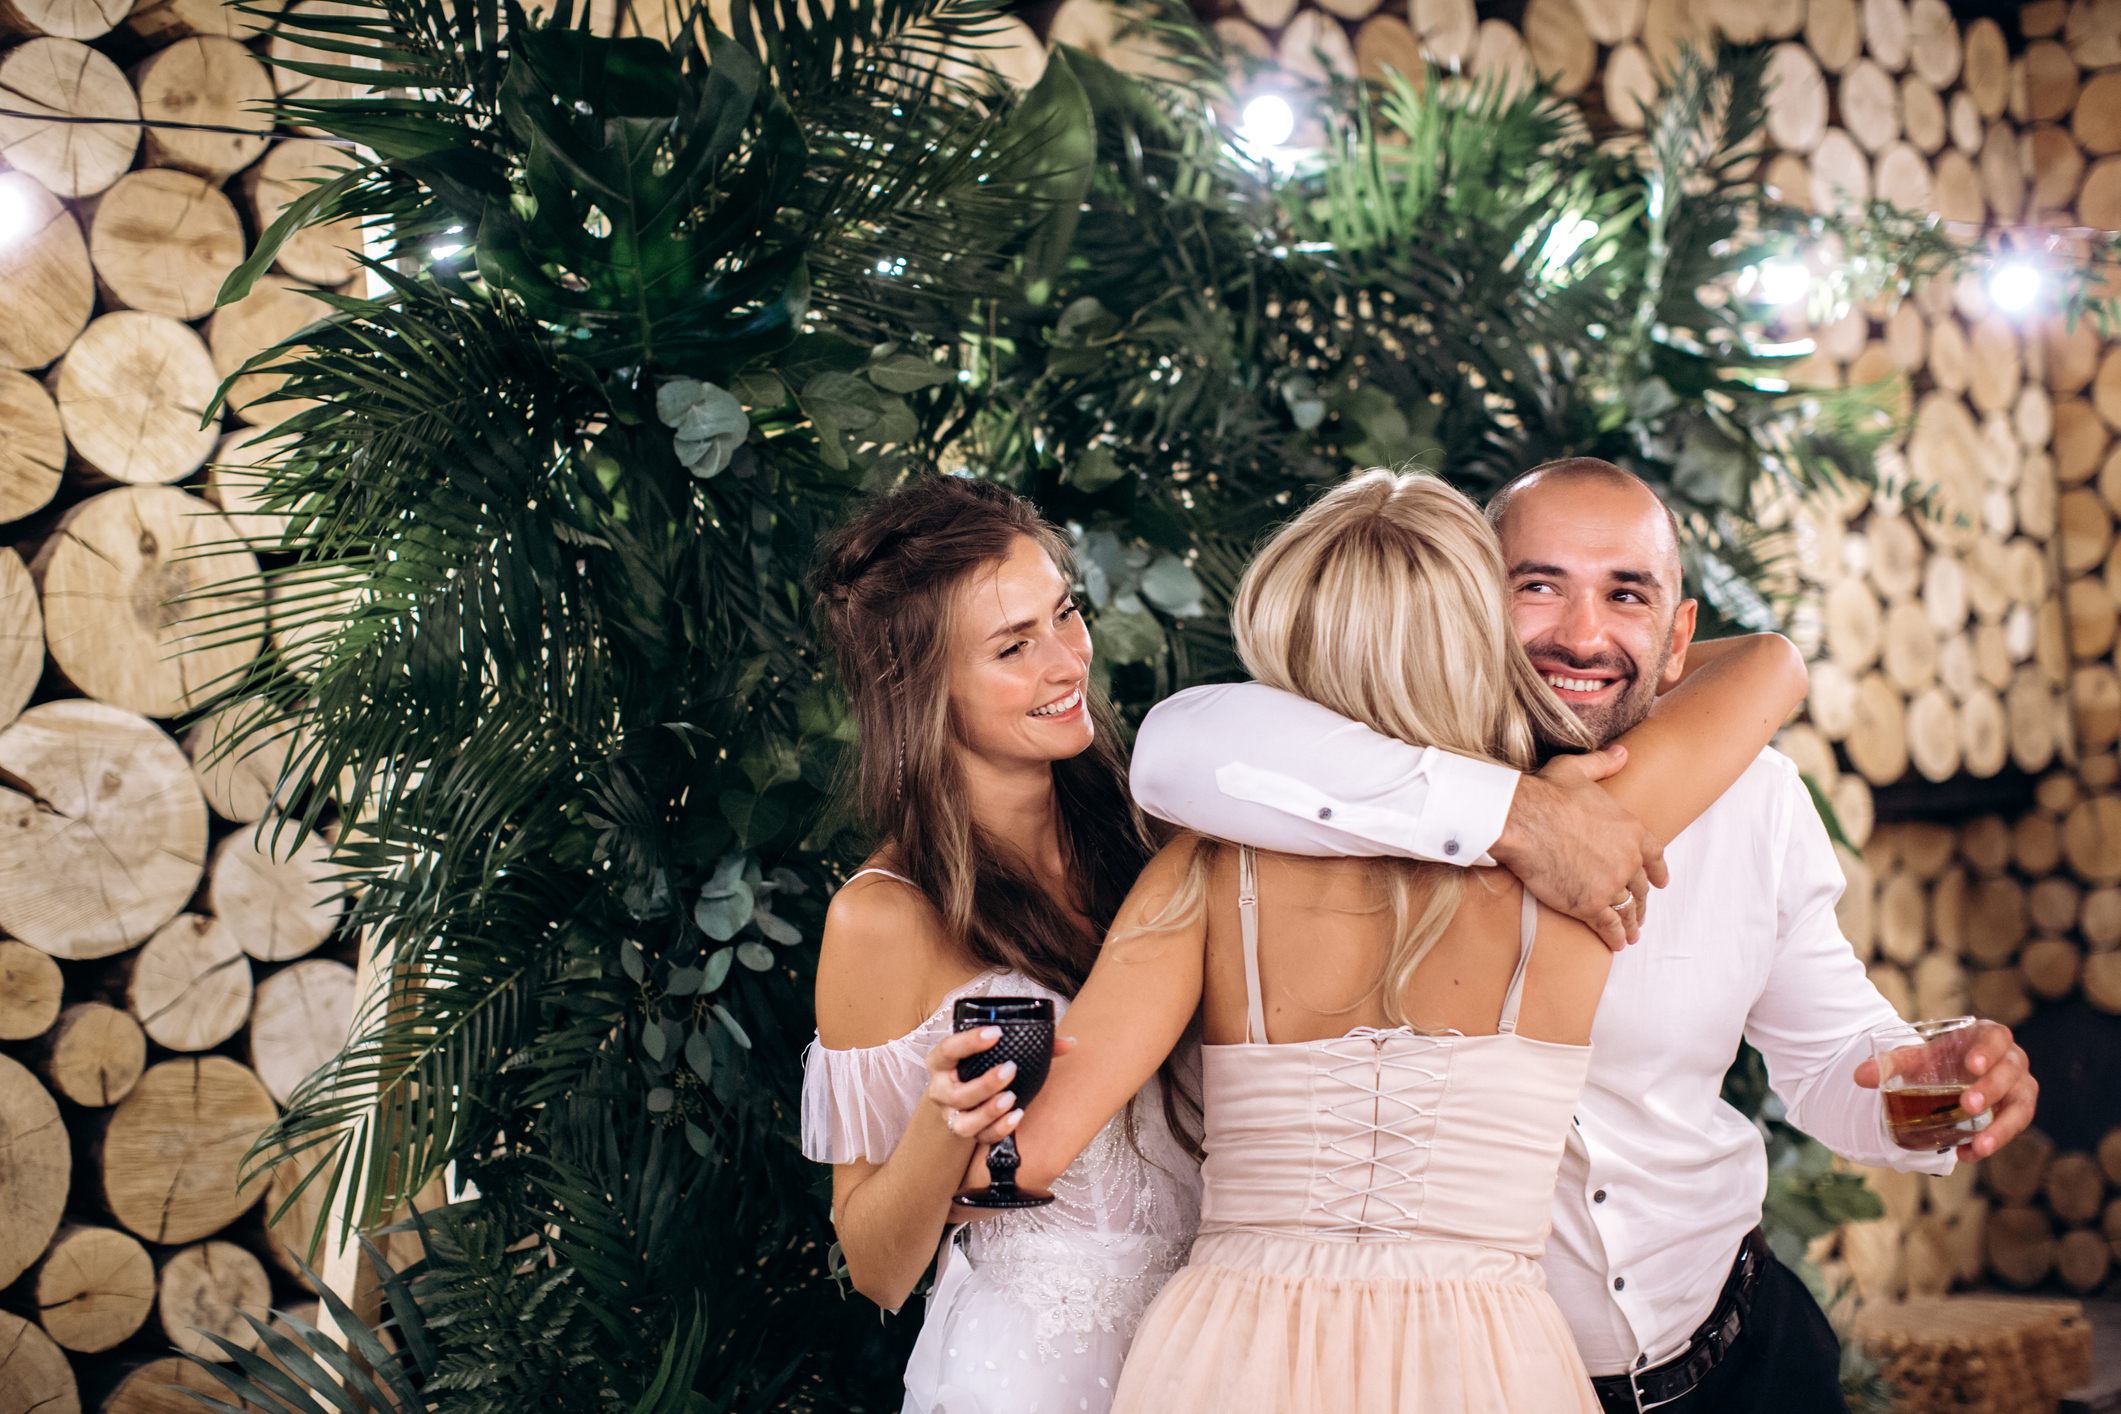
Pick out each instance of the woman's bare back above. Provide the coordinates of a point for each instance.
(1326, 928)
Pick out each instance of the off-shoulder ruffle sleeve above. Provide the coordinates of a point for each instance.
(857, 1104)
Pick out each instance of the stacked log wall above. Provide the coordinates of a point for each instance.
(171, 965)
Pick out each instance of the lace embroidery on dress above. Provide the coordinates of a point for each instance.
(1076, 1281)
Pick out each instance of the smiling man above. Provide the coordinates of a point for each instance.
(1655, 1256)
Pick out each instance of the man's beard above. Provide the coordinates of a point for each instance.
(1606, 720)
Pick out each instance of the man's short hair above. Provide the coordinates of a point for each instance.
(1578, 469)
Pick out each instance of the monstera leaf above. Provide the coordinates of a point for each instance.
(645, 229)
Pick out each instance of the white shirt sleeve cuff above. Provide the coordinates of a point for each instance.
(1460, 811)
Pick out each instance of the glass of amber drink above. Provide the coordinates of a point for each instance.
(1921, 1083)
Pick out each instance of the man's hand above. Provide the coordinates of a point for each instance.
(1577, 851)
(2003, 1082)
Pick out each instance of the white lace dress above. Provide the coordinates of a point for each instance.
(1032, 1311)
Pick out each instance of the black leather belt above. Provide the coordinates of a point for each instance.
(1677, 1377)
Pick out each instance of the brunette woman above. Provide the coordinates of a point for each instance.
(991, 773)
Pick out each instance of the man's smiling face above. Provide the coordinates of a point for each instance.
(1595, 594)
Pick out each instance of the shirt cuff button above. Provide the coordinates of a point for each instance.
(1599, 1196)
(1620, 1283)
(1325, 812)
(1450, 846)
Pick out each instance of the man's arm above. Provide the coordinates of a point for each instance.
(1263, 767)
(1814, 1021)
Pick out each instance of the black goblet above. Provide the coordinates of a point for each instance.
(1027, 1039)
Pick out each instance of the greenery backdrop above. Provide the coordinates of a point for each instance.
(655, 316)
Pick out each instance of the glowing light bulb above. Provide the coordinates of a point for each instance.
(1268, 122)
(2015, 287)
(1784, 281)
(447, 249)
(1567, 238)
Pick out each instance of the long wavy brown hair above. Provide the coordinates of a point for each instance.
(886, 587)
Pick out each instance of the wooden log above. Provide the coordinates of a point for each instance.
(55, 80)
(2024, 573)
(276, 897)
(1892, 984)
(2079, 443)
(2106, 388)
(2082, 1260)
(238, 480)
(1945, 452)
(190, 985)
(94, 1055)
(1994, 374)
(1853, 803)
(1811, 753)
(2021, 1246)
(2109, 1156)
(1856, 911)
(2099, 199)
(93, 1288)
(1932, 728)
(1386, 43)
(2030, 713)
(1996, 919)
(2054, 902)
(131, 391)
(2093, 33)
(208, 1288)
(2101, 980)
(172, 1154)
(2033, 416)
(1940, 985)
(1955, 189)
(63, 19)
(1984, 734)
(51, 292)
(1612, 22)
(2015, 1173)
(30, 988)
(2091, 616)
(1956, 667)
(1987, 66)
(1907, 337)
(1966, 1353)
(163, 1386)
(2072, 355)
(1796, 99)
(300, 1022)
(1350, 9)
(2095, 708)
(2002, 178)
(2050, 967)
(1855, 628)
(1922, 115)
(2099, 919)
(139, 611)
(1902, 178)
(2095, 119)
(1841, 174)
(270, 314)
(1630, 86)
(21, 636)
(2037, 496)
(1500, 56)
(1992, 658)
(162, 22)
(1948, 914)
(1934, 50)
(35, 1164)
(163, 241)
(1999, 995)
(1870, 106)
(2091, 840)
(1448, 29)
(207, 80)
(1877, 736)
(2075, 1188)
(1562, 50)
(1909, 652)
(1985, 843)
(1267, 14)
(291, 1217)
(2050, 81)
(32, 454)
(1833, 31)
(1927, 848)
(1873, 1253)
(1885, 32)
(37, 1379)
(113, 840)
(240, 753)
(1901, 919)
(2057, 167)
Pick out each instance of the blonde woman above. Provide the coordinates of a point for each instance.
(1393, 1049)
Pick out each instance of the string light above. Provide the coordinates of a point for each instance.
(443, 250)
(1784, 281)
(2015, 286)
(1566, 239)
(1267, 123)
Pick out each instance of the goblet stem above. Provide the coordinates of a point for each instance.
(1002, 1161)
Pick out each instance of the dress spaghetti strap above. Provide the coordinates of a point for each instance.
(885, 872)
(1527, 930)
(1248, 924)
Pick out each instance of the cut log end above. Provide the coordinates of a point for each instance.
(174, 1149)
(94, 1055)
(94, 1288)
(207, 1289)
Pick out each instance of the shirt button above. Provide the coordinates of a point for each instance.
(1599, 1196)
(1325, 812)
(1620, 1283)
(1450, 846)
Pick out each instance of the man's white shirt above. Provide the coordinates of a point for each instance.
(1660, 1178)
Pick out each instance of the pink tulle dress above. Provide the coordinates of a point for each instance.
(1374, 1211)
(1031, 1312)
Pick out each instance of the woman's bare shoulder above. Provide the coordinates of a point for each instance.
(883, 951)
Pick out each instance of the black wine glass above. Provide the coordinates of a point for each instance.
(1027, 1039)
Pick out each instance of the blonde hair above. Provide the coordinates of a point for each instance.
(1385, 601)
